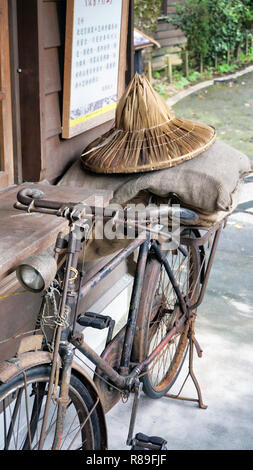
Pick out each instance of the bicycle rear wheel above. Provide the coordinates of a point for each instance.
(22, 402)
(159, 311)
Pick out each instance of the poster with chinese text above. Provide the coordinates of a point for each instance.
(92, 63)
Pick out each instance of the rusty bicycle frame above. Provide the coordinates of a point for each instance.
(126, 378)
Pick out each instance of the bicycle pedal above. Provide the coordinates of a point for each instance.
(94, 320)
(142, 441)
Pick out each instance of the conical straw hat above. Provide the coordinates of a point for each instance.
(146, 136)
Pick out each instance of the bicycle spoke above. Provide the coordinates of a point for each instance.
(165, 368)
(13, 418)
(69, 431)
(22, 417)
(27, 415)
(38, 391)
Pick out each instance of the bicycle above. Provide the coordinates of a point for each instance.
(59, 404)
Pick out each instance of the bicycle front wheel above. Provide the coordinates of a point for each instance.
(159, 311)
(22, 403)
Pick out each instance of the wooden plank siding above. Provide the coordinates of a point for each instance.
(6, 135)
(59, 153)
(171, 6)
(41, 49)
(30, 86)
(166, 33)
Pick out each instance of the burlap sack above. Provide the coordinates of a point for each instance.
(98, 248)
(207, 182)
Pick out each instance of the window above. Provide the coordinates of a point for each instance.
(6, 141)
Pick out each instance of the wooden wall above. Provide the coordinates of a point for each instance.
(41, 31)
(166, 34)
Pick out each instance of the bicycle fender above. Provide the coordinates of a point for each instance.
(12, 367)
(15, 365)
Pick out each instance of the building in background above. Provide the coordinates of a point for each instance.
(166, 33)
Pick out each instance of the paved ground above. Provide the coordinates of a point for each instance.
(227, 106)
(225, 331)
(224, 326)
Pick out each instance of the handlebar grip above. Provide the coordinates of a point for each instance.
(186, 215)
(164, 211)
(26, 195)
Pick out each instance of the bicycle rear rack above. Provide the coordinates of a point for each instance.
(210, 237)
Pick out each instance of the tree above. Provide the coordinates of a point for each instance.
(146, 14)
(213, 27)
(192, 18)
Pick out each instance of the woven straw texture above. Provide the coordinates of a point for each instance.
(146, 136)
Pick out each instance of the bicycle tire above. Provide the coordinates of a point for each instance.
(17, 435)
(154, 321)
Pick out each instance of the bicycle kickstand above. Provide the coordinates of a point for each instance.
(192, 342)
(137, 392)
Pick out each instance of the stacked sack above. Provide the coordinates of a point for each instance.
(210, 185)
(149, 151)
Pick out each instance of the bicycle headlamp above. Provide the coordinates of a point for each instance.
(37, 272)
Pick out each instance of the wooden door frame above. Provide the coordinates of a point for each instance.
(6, 134)
(15, 96)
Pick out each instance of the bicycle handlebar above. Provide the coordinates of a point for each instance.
(27, 195)
(32, 200)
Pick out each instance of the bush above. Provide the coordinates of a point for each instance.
(214, 27)
(226, 68)
(193, 19)
(193, 76)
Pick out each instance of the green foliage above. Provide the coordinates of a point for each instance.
(179, 81)
(226, 68)
(146, 14)
(229, 20)
(192, 18)
(157, 74)
(218, 33)
(160, 88)
(212, 27)
(245, 59)
(193, 76)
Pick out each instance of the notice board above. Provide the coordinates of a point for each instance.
(94, 64)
